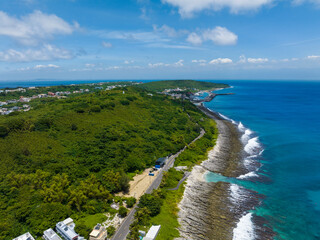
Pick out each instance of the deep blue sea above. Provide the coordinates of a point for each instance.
(284, 118)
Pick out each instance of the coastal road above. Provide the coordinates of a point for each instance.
(186, 175)
(123, 230)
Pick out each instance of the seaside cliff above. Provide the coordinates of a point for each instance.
(212, 210)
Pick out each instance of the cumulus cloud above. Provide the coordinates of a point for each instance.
(221, 61)
(188, 7)
(257, 60)
(218, 35)
(195, 39)
(32, 28)
(46, 53)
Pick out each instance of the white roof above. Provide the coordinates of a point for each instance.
(50, 234)
(68, 221)
(26, 236)
(153, 232)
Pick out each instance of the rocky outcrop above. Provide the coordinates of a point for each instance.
(208, 210)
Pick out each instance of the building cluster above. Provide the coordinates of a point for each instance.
(13, 90)
(65, 230)
(178, 93)
(6, 111)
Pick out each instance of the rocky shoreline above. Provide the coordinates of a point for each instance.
(212, 210)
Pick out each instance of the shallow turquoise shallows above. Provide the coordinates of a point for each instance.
(286, 117)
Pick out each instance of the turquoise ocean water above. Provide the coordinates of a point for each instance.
(282, 120)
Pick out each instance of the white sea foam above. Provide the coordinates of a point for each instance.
(246, 136)
(235, 194)
(241, 127)
(248, 175)
(244, 229)
(252, 146)
(226, 118)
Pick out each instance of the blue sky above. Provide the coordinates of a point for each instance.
(159, 39)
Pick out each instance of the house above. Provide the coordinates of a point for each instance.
(66, 229)
(24, 99)
(161, 162)
(115, 206)
(153, 232)
(12, 101)
(51, 94)
(26, 236)
(98, 233)
(49, 234)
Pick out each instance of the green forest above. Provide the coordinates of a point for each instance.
(68, 157)
(159, 86)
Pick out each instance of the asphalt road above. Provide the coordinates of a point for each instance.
(123, 230)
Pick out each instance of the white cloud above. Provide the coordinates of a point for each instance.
(128, 62)
(242, 59)
(188, 7)
(220, 36)
(106, 44)
(313, 57)
(199, 61)
(46, 53)
(179, 63)
(32, 28)
(153, 65)
(90, 65)
(221, 61)
(161, 64)
(169, 31)
(46, 66)
(195, 39)
(257, 60)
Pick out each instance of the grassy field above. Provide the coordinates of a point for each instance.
(168, 217)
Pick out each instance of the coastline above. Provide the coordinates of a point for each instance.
(212, 210)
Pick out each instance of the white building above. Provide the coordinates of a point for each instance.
(66, 229)
(153, 232)
(98, 233)
(26, 236)
(50, 235)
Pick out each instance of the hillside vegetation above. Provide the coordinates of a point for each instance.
(68, 157)
(159, 86)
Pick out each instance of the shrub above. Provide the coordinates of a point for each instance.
(151, 202)
(123, 211)
(3, 131)
(111, 230)
(130, 202)
(95, 108)
(124, 102)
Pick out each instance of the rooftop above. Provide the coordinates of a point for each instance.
(26, 236)
(50, 234)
